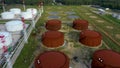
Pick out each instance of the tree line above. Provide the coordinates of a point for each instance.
(27, 2)
(114, 4)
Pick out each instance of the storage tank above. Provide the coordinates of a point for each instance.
(5, 39)
(15, 11)
(13, 26)
(32, 11)
(90, 38)
(26, 15)
(7, 15)
(80, 24)
(53, 24)
(52, 59)
(53, 39)
(106, 59)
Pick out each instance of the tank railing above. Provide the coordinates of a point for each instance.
(14, 50)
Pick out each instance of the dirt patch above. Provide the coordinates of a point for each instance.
(117, 36)
(88, 13)
(91, 27)
(49, 8)
(59, 8)
(92, 16)
(109, 27)
(66, 21)
(100, 21)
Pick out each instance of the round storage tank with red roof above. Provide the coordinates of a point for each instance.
(53, 39)
(90, 38)
(53, 24)
(80, 24)
(106, 59)
(52, 59)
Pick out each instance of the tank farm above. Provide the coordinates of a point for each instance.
(54, 38)
(59, 42)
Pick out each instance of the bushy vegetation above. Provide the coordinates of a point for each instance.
(114, 4)
(28, 2)
(108, 3)
(104, 3)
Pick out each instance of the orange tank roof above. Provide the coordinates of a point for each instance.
(106, 59)
(80, 24)
(52, 59)
(53, 39)
(53, 24)
(90, 38)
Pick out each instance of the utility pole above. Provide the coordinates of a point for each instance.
(23, 2)
(3, 5)
(24, 30)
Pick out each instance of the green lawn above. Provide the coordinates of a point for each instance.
(110, 18)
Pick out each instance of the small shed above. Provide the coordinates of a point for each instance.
(118, 16)
(101, 11)
(114, 15)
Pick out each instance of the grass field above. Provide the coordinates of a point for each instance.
(99, 23)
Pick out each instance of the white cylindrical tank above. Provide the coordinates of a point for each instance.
(15, 10)
(26, 15)
(32, 10)
(5, 39)
(13, 26)
(7, 15)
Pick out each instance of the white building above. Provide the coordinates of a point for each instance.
(116, 15)
(101, 11)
